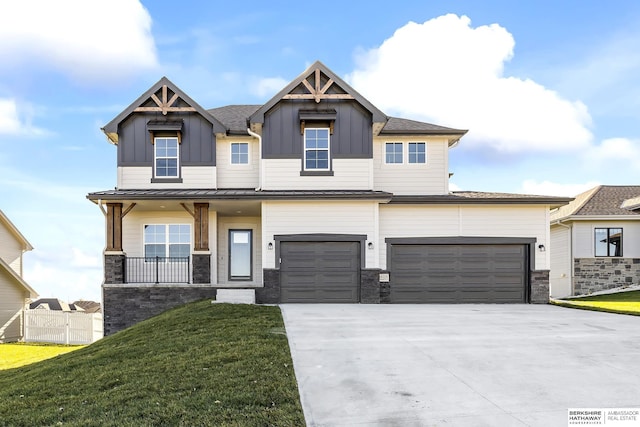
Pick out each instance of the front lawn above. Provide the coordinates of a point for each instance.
(621, 302)
(201, 364)
(16, 355)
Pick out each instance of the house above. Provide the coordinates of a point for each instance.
(315, 196)
(15, 292)
(595, 241)
(53, 304)
(87, 306)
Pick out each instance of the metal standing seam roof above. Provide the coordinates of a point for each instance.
(603, 200)
(236, 194)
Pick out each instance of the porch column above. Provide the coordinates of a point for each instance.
(201, 254)
(114, 227)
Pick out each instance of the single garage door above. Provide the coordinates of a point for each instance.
(458, 273)
(319, 271)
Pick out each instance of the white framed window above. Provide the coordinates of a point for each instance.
(166, 157)
(316, 149)
(167, 240)
(393, 152)
(239, 153)
(417, 152)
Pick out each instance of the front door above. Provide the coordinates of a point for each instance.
(240, 255)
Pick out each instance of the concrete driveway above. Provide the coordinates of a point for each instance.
(460, 365)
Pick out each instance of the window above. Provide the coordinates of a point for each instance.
(608, 241)
(167, 240)
(240, 254)
(417, 152)
(239, 153)
(316, 149)
(393, 152)
(166, 157)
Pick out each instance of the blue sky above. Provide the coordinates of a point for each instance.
(549, 91)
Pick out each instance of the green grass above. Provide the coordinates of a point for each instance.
(621, 302)
(201, 364)
(20, 354)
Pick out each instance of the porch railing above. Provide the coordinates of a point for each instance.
(157, 270)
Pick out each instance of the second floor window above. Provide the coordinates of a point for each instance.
(239, 153)
(417, 152)
(608, 241)
(167, 240)
(393, 152)
(316, 149)
(166, 157)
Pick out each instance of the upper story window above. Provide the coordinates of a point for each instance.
(608, 241)
(167, 240)
(393, 152)
(417, 152)
(239, 153)
(316, 149)
(166, 158)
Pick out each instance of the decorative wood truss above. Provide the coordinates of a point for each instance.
(318, 92)
(164, 105)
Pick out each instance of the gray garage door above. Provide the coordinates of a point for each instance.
(319, 271)
(458, 273)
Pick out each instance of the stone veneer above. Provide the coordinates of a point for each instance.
(270, 292)
(370, 286)
(540, 286)
(599, 274)
(124, 306)
(201, 268)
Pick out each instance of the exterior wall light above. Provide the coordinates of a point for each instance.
(270, 246)
(370, 245)
(542, 248)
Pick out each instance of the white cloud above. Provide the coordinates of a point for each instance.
(269, 86)
(12, 122)
(447, 72)
(614, 153)
(85, 39)
(548, 188)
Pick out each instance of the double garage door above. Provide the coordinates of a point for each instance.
(329, 272)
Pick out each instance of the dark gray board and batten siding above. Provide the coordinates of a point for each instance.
(197, 147)
(352, 136)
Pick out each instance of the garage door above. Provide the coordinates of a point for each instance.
(319, 271)
(458, 273)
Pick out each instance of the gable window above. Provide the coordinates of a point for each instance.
(167, 240)
(608, 242)
(239, 153)
(316, 149)
(417, 152)
(166, 157)
(393, 152)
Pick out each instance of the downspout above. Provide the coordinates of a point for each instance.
(260, 164)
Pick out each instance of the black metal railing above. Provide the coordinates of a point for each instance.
(157, 270)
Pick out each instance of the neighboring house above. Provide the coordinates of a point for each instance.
(15, 292)
(88, 306)
(315, 196)
(53, 304)
(595, 241)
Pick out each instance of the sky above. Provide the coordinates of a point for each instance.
(550, 93)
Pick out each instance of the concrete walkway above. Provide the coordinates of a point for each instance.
(460, 365)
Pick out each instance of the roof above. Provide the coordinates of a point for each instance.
(236, 194)
(477, 197)
(234, 117)
(111, 128)
(51, 304)
(14, 230)
(88, 306)
(4, 267)
(603, 200)
(396, 125)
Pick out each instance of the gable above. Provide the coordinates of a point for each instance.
(11, 277)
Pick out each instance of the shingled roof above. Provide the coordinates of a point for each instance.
(603, 200)
(396, 125)
(234, 117)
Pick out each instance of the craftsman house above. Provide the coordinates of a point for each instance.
(315, 196)
(15, 292)
(595, 241)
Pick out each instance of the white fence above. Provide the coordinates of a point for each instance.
(62, 327)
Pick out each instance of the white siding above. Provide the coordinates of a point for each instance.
(239, 223)
(319, 217)
(461, 220)
(139, 177)
(349, 174)
(583, 244)
(10, 249)
(431, 177)
(237, 176)
(12, 302)
(561, 262)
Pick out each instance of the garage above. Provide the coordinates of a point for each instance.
(319, 271)
(459, 273)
